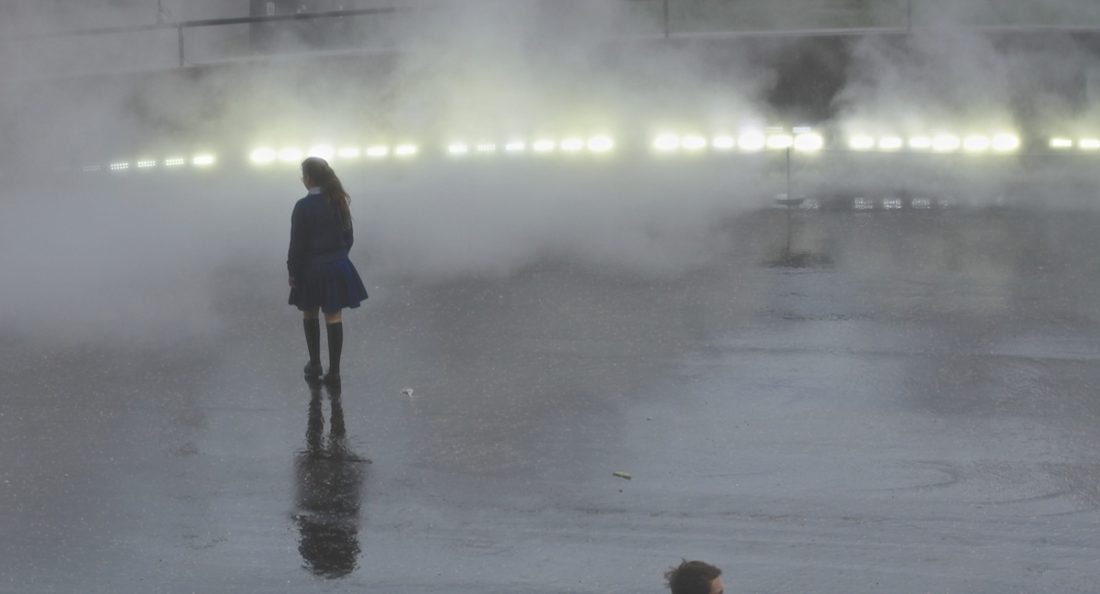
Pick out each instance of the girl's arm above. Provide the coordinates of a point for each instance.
(295, 255)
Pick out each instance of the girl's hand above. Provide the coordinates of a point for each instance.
(292, 283)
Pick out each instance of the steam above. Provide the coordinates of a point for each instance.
(124, 255)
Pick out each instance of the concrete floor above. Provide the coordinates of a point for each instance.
(920, 415)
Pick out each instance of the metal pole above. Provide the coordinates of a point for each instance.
(182, 55)
(667, 28)
(789, 195)
(790, 206)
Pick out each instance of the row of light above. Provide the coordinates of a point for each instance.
(973, 143)
(268, 155)
(200, 160)
(938, 143)
(1065, 143)
(573, 144)
(801, 140)
(594, 144)
(861, 203)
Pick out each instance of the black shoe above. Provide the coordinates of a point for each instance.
(313, 369)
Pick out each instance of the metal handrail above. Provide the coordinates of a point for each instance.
(181, 26)
(192, 24)
(666, 30)
(666, 25)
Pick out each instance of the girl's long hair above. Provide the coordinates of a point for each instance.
(320, 173)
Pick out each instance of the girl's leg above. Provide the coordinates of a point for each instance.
(334, 327)
(312, 327)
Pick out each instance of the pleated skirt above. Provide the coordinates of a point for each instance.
(329, 285)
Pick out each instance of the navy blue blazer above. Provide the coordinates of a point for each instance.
(316, 234)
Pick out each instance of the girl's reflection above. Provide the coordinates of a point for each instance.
(330, 480)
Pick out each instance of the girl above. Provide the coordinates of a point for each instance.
(321, 275)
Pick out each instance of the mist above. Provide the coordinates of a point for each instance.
(144, 258)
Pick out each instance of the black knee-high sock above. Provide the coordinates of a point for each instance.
(335, 346)
(313, 339)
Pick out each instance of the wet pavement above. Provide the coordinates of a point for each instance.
(918, 415)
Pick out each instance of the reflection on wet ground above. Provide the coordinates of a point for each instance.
(330, 482)
(920, 415)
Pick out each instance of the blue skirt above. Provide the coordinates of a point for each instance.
(331, 285)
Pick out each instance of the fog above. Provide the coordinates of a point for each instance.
(150, 258)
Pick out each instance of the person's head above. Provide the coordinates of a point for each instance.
(694, 577)
(316, 173)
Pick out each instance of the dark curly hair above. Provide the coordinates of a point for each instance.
(692, 577)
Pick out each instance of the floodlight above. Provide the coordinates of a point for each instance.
(861, 142)
(946, 143)
(1004, 143)
(349, 152)
(1089, 144)
(723, 143)
(203, 160)
(666, 143)
(693, 143)
(323, 151)
(600, 144)
(780, 141)
(260, 156)
(1061, 143)
(572, 145)
(544, 146)
(92, 168)
(751, 141)
(515, 146)
(120, 166)
(377, 151)
(920, 143)
(458, 148)
(890, 143)
(976, 143)
(290, 154)
(146, 163)
(486, 147)
(406, 150)
(808, 142)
